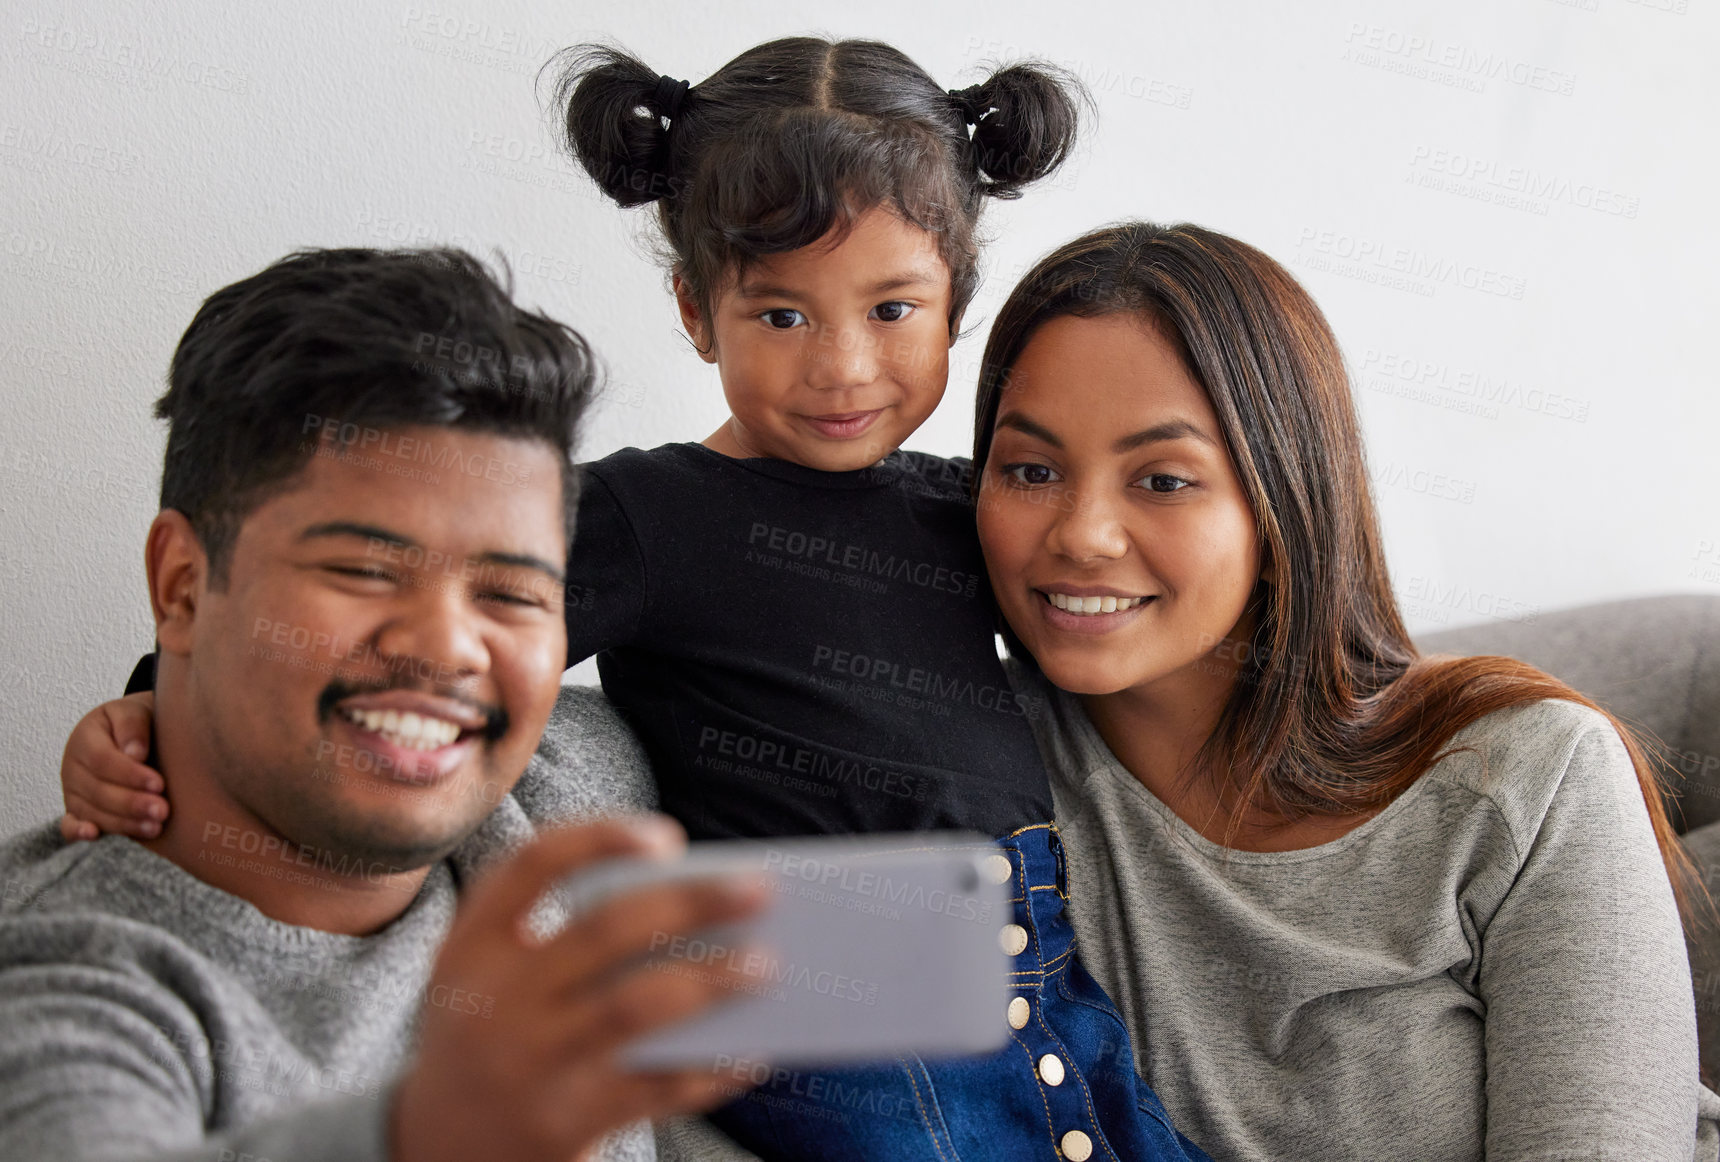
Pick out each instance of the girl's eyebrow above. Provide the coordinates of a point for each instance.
(920, 276)
(1169, 430)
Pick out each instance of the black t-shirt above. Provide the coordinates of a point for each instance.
(802, 652)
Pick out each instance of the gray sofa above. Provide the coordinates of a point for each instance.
(1654, 662)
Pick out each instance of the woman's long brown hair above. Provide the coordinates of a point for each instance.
(1335, 712)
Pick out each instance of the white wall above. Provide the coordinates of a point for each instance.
(1533, 367)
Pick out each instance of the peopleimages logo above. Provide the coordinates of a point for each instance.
(1358, 256)
(1513, 186)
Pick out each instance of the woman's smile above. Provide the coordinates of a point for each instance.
(1085, 609)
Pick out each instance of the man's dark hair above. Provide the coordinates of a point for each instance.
(329, 344)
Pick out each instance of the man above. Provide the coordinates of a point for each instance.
(356, 582)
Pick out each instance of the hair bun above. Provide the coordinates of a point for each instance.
(612, 110)
(1027, 114)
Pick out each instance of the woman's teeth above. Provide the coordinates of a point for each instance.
(1071, 604)
(409, 730)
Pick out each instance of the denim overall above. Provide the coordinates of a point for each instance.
(1064, 1087)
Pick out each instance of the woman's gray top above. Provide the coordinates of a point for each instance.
(1491, 966)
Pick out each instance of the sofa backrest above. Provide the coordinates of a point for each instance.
(1653, 661)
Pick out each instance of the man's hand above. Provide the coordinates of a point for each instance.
(531, 1073)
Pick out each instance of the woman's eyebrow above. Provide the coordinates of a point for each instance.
(1169, 430)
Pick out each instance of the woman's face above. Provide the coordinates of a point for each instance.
(1120, 543)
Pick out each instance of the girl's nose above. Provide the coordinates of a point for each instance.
(841, 357)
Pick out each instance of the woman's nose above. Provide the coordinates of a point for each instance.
(1088, 527)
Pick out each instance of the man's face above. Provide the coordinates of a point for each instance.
(385, 655)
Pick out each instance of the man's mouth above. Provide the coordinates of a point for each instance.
(407, 730)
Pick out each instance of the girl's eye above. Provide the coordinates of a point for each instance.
(1164, 482)
(893, 312)
(1029, 473)
(782, 318)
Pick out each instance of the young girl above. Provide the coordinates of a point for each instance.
(1368, 904)
(792, 613)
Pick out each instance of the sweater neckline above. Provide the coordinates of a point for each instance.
(887, 471)
(1099, 761)
(203, 905)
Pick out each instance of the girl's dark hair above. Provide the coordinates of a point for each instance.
(1335, 710)
(340, 344)
(801, 135)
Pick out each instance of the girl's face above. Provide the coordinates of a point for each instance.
(1121, 545)
(831, 355)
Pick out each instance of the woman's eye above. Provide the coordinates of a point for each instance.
(1029, 473)
(893, 312)
(1164, 482)
(782, 318)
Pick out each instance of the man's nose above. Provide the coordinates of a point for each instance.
(437, 631)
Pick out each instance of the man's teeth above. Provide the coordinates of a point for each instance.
(409, 730)
(1072, 604)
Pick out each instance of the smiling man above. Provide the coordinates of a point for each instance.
(356, 580)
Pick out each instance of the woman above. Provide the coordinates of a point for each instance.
(1352, 902)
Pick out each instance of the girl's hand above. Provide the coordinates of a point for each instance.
(108, 788)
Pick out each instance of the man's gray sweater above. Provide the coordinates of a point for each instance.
(147, 1015)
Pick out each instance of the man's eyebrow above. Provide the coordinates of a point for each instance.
(524, 561)
(1169, 430)
(347, 528)
(343, 528)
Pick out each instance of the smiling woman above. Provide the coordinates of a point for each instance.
(1353, 902)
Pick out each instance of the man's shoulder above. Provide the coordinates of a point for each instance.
(40, 871)
(589, 763)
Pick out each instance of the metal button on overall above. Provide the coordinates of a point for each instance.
(1077, 1147)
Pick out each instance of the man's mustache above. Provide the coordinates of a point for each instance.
(338, 690)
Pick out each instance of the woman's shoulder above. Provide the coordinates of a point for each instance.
(1522, 758)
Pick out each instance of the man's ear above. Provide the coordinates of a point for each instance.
(955, 329)
(178, 571)
(698, 329)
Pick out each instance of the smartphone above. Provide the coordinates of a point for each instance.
(874, 946)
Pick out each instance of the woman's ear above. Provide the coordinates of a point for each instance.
(698, 327)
